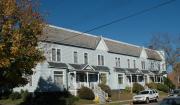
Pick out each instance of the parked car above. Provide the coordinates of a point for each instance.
(156, 94)
(171, 101)
(175, 92)
(146, 96)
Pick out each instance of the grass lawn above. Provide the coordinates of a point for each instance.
(10, 102)
(83, 102)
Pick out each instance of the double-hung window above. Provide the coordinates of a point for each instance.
(85, 58)
(100, 60)
(75, 57)
(134, 63)
(56, 54)
(143, 65)
(120, 78)
(118, 62)
(128, 61)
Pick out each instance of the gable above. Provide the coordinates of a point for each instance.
(89, 68)
(143, 54)
(102, 45)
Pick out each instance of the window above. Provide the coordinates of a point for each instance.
(58, 78)
(143, 65)
(75, 57)
(134, 63)
(58, 55)
(118, 62)
(120, 78)
(159, 67)
(152, 65)
(163, 66)
(85, 58)
(53, 54)
(100, 60)
(128, 63)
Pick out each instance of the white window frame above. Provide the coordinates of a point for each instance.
(52, 55)
(75, 61)
(59, 74)
(87, 58)
(59, 55)
(122, 75)
(143, 65)
(56, 49)
(102, 61)
(128, 62)
(134, 61)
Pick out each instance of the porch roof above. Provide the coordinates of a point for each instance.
(101, 68)
(145, 71)
(129, 71)
(78, 66)
(164, 72)
(57, 65)
(86, 67)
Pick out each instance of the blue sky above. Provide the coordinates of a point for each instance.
(82, 15)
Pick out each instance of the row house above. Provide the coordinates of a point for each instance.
(75, 59)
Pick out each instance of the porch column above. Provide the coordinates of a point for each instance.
(160, 79)
(75, 86)
(131, 83)
(154, 79)
(87, 78)
(137, 78)
(98, 78)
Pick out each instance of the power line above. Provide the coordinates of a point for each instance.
(123, 18)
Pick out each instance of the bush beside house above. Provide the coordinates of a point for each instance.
(106, 89)
(158, 86)
(137, 88)
(86, 93)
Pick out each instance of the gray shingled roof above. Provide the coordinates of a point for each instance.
(78, 66)
(57, 65)
(152, 54)
(120, 48)
(66, 37)
(128, 71)
(101, 68)
(145, 71)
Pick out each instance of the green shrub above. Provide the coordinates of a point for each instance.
(162, 87)
(25, 95)
(152, 85)
(137, 88)
(106, 89)
(127, 89)
(15, 95)
(86, 93)
(71, 100)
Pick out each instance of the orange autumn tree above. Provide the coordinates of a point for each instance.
(20, 26)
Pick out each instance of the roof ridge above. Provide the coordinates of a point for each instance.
(87, 34)
(120, 42)
(73, 31)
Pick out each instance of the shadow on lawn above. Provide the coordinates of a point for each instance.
(48, 93)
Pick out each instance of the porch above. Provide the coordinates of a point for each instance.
(130, 76)
(86, 75)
